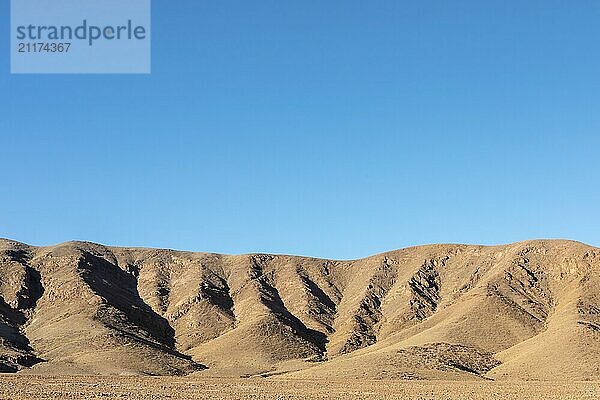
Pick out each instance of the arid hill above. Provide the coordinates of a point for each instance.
(529, 310)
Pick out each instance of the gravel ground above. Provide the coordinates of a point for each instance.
(158, 388)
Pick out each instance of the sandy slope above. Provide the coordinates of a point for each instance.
(529, 310)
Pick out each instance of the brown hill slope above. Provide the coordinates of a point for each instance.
(527, 310)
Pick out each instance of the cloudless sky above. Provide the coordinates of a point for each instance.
(326, 128)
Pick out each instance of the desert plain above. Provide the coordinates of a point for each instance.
(177, 388)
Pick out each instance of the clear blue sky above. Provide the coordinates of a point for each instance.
(326, 128)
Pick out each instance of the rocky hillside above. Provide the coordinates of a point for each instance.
(529, 310)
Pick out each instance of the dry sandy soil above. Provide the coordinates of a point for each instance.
(158, 388)
(527, 311)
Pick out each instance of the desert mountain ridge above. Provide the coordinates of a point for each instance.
(529, 310)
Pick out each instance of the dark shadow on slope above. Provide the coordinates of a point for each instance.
(16, 352)
(217, 292)
(35, 289)
(270, 297)
(19, 255)
(31, 289)
(323, 309)
(123, 309)
(15, 349)
(369, 314)
(317, 292)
